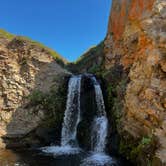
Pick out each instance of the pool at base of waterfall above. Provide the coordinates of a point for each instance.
(69, 153)
(99, 159)
(57, 157)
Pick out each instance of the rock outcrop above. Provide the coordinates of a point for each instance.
(90, 62)
(135, 49)
(27, 73)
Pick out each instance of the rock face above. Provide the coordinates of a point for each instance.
(26, 70)
(136, 42)
(90, 62)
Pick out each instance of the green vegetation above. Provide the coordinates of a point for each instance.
(85, 55)
(115, 95)
(111, 33)
(37, 97)
(146, 140)
(110, 91)
(141, 150)
(91, 51)
(135, 149)
(52, 102)
(115, 104)
(95, 69)
(91, 61)
(23, 61)
(5, 34)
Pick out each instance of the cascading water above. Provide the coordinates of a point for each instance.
(99, 132)
(72, 113)
(100, 123)
(71, 121)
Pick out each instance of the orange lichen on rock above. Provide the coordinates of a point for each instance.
(125, 11)
(138, 44)
(144, 44)
(139, 7)
(118, 25)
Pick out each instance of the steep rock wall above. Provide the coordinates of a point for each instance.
(27, 73)
(90, 62)
(135, 49)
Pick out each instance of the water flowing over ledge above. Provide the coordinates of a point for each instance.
(99, 133)
(72, 113)
(69, 143)
(72, 118)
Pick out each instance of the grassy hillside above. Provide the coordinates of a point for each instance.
(5, 34)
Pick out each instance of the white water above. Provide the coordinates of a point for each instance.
(98, 159)
(100, 122)
(69, 146)
(61, 150)
(99, 98)
(99, 132)
(72, 113)
(71, 120)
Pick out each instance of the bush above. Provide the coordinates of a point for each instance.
(134, 149)
(36, 97)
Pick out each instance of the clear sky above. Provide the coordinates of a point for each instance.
(68, 26)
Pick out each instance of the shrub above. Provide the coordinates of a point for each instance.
(134, 149)
(36, 97)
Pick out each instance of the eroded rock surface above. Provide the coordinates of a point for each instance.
(136, 40)
(24, 68)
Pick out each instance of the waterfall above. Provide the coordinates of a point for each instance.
(72, 113)
(99, 133)
(99, 98)
(100, 122)
(71, 120)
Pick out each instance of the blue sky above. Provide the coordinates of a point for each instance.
(68, 26)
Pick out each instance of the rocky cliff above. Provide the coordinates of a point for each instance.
(91, 61)
(131, 63)
(135, 71)
(32, 90)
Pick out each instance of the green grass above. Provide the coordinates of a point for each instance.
(53, 53)
(60, 60)
(6, 34)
